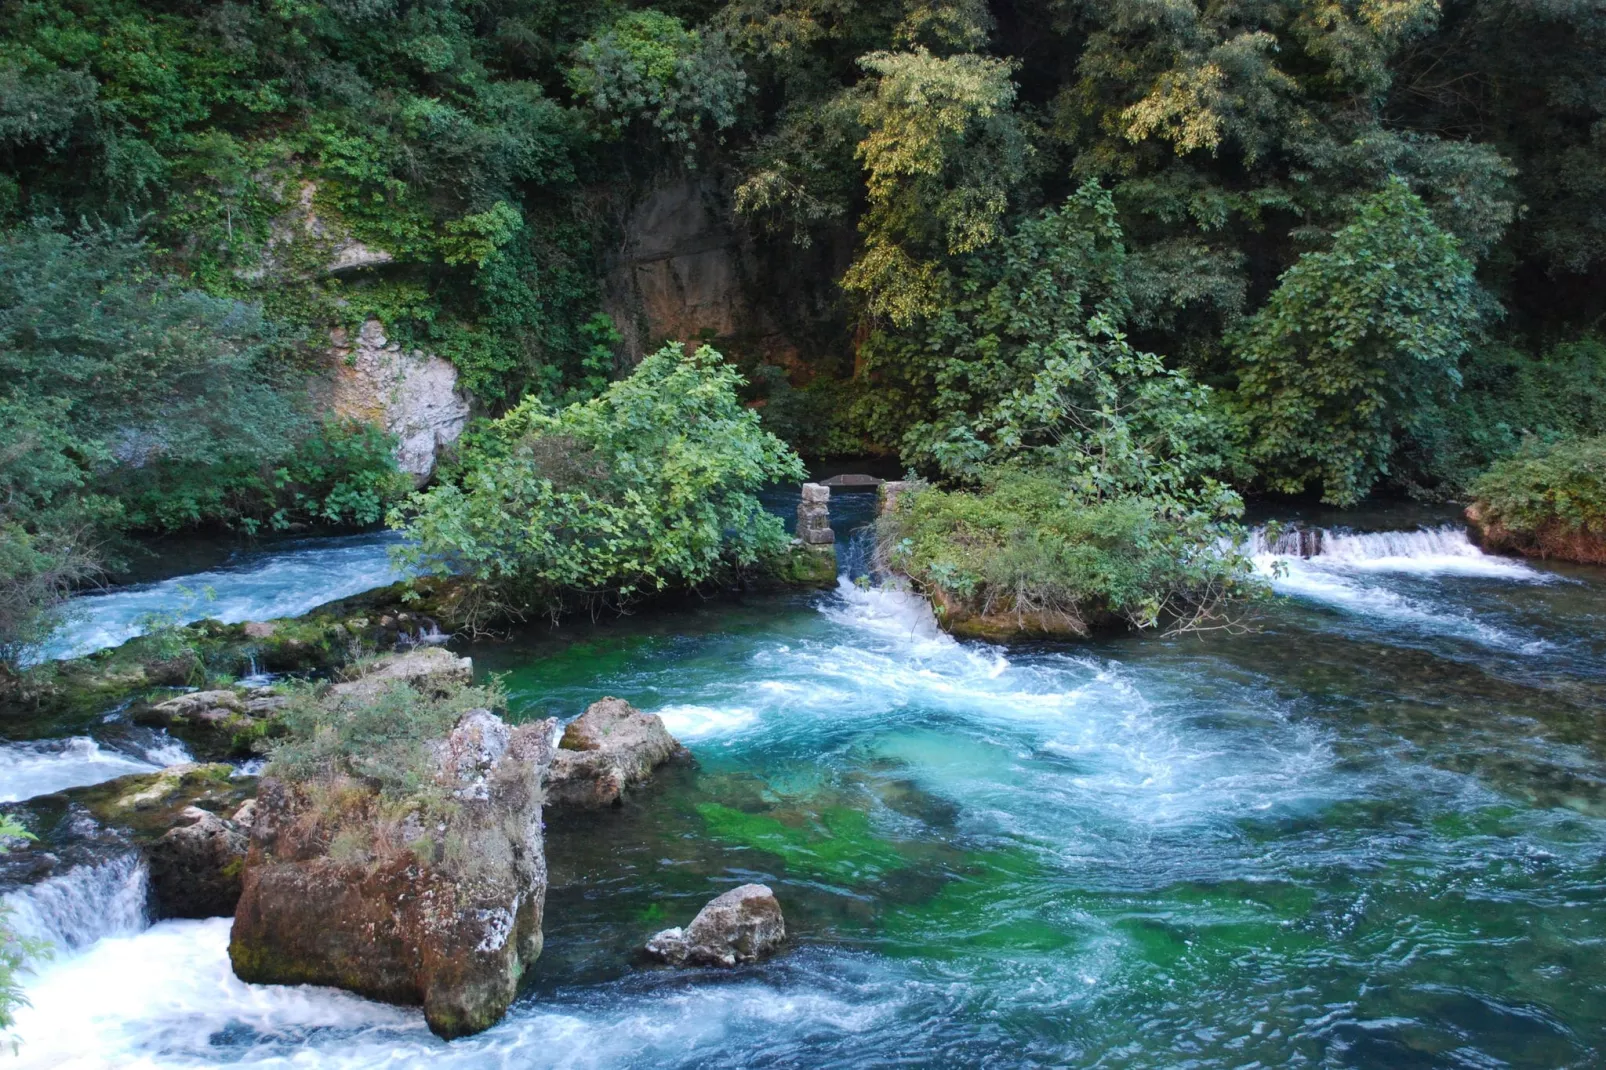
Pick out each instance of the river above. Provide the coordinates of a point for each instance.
(1369, 831)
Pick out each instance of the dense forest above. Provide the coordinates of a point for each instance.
(1131, 259)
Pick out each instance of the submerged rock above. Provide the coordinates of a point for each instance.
(438, 905)
(742, 925)
(605, 752)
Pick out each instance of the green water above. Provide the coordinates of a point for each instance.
(1367, 831)
(1358, 835)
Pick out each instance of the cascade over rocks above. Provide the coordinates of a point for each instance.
(605, 752)
(341, 889)
(742, 925)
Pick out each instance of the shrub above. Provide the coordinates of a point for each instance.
(649, 486)
(342, 473)
(1549, 500)
(1026, 550)
(380, 737)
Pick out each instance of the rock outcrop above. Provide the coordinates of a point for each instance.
(195, 866)
(429, 669)
(412, 395)
(1555, 541)
(436, 904)
(607, 751)
(742, 925)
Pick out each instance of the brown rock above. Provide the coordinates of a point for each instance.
(260, 629)
(195, 867)
(742, 925)
(605, 752)
(340, 890)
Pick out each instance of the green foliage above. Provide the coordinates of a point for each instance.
(1508, 397)
(1029, 365)
(1024, 549)
(1547, 494)
(342, 474)
(15, 953)
(648, 486)
(1357, 346)
(380, 736)
(942, 152)
(647, 65)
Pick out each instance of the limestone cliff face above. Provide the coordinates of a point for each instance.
(690, 270)
(412, 395)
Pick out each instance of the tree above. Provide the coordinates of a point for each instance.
(1357, 345)
(649, 486)
(942, 153)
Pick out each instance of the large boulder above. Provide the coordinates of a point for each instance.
(195, 866)
(742, 925)
(215, 723)
(438, 903)
(605, 752)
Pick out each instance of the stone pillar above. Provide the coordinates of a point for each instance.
(887, 495)
(814, 516)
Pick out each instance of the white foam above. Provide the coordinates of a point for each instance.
(698, 722)
(83, 905)
(45, 766)
(1444, 550)
(168, 998)
(263, 586)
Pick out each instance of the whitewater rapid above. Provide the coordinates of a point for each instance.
(1134, 794)
(1400, 579)
(286, 580)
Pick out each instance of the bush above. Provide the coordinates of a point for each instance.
(380, 737)
(1508, 397)
(651, 485)
(1358, 345)
(343, 473)
(1549, 500)
(1025, 552)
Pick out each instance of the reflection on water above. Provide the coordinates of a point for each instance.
(1371, 832)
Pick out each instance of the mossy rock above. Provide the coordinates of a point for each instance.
(148, 804)
(807, 566)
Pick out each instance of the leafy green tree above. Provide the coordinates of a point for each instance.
(1030, 366)
(646, 65)
(1358, 345)
(649, 486)
(942, 152)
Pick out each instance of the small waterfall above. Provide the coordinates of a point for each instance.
(45, 766)
(855, 556)
(86, 903)
(1444, 549)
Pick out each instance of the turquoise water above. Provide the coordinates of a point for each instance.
(1370, 831)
